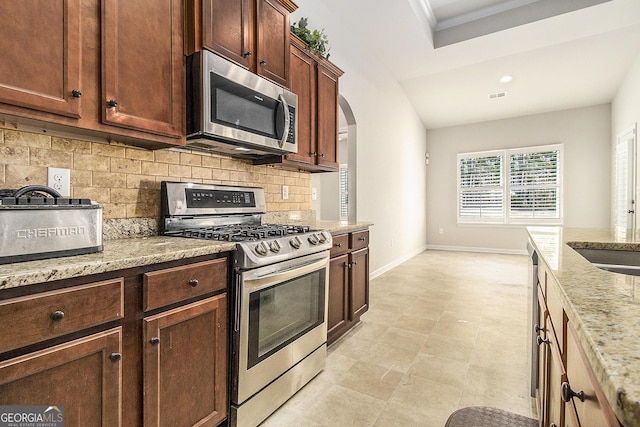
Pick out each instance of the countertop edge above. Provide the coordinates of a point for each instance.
(626, 408)
(120, 254)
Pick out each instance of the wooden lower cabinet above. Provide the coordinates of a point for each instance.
(145, 346)
(348, 283)
(83, 376)
(567, 392)
(185, 365)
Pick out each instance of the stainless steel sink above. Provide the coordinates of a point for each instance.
(617, 261)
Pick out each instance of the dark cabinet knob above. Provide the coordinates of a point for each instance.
(541, 341)
(567, 393)
(553, 425)
(76, 93)
(193, 283)
(322, 155)
(263, 62)
(338, 245)
(354, 263)
(247, 53)
(362, 239)
(115, 357)
(57, 315)
(537, 328)
(112, 103)
(155, 340)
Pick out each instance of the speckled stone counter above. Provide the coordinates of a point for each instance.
(121, 252)
(603, 307)
(117, 255)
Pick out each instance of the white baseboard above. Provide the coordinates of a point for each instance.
(395, 263)
(476, 249)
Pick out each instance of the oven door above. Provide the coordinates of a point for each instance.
(280, 319)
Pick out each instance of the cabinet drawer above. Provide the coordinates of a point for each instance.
(594, 411)
(359, 240)
(36, 318)
(172, 285)
(340, 245)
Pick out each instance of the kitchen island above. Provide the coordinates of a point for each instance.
(603, 308)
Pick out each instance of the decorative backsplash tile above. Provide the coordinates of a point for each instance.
(125, 180)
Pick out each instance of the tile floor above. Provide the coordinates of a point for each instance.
(444, 330)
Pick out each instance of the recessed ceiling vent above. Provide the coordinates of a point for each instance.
(497, 95)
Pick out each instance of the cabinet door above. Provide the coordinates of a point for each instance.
(41, 60)
(143, 65)
(272, 53)
(227, 28)
(359, 283)
(83, 376)
(327, 118)
(302, 82)
(338, 316)
(185, 365)
(556, 376)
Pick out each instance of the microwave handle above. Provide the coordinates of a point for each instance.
(287, 120)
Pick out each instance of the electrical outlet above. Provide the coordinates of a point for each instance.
(285, 192)
(60, 180)
(314, 194)
(441, 230)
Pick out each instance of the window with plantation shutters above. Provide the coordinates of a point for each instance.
(515, 186)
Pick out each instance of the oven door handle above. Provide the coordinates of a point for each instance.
(291, 268)
(256, 280)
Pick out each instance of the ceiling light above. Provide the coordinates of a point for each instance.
(506, 79)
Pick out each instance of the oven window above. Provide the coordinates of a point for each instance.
(281, 313)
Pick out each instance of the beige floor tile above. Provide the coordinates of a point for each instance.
(444, 330)
(373, 380)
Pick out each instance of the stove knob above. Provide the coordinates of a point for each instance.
(313, 239)
(262, 248)
(322, 237)
(295, 242)
(275, 246)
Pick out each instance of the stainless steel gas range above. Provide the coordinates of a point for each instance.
(279, 295)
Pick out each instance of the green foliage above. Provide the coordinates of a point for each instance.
(315, 40)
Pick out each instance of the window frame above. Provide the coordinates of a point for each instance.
(506, 218)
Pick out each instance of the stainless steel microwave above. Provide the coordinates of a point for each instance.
(235, 112)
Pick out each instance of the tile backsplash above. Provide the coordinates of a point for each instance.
(125, 180)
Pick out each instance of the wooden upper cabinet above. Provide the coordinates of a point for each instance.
(327, 117)
(302, 82)
(41, 61)
(227, 28)
(252, 33)
(272, 53)
(143, 65)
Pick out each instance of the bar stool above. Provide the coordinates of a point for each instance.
(483, 416)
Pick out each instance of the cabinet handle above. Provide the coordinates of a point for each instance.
(193, 283)
(154, 341)
(263, 62)
(362, 239)
(338, 245)
(553, 425)
(347, 264)
(354, 263)
(537, 328)
(567, 393)
(314, 154)
(322, 155)
(247, 53)
(112, 103)
(57, 315)
(76, 93)
(541, 341)
(115, 357)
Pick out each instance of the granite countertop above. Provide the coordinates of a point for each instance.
(603, 307)
(130, 252)
(117, 255)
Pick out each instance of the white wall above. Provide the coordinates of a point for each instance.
(390, 143)
(585, 133)
(625, 114)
